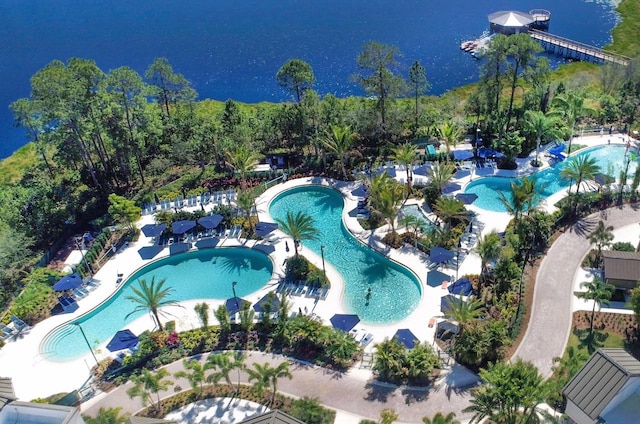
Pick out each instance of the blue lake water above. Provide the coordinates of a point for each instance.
(233, 49)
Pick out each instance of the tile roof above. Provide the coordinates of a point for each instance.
(621, 265)
(600, 379)
(6, 391)
(273, 417)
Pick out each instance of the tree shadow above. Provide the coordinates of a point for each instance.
(378, 392)
(590, 340)
(585, 226)
(415, 395)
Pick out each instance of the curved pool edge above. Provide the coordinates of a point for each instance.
(83, 312)
(414, 265)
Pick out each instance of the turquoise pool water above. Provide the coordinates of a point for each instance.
(202, 274)
(610, 159)
(395, 290)
(416, 211)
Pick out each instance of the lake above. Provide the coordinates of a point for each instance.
(233, 48)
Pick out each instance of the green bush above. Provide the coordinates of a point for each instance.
(34, 303)
(297, 268)
(623, 247)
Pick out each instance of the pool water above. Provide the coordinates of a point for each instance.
(395, 290)
(416, 211)
(610, 159)
(202, 274)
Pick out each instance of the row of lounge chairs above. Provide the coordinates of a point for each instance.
(362, 336)
(86, 287)
(13, 329)
(302, 288)
(217, 198)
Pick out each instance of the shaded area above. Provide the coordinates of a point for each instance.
(435, 278)
(153, 230)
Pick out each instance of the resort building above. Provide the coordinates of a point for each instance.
(622, 269)
(605, 390)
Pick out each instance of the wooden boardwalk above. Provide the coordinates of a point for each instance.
(576, 50)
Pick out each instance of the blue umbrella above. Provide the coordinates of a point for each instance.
(181, 227)
(467, 198)
(422, 170)
(344, 322)
(450, 188)
(391, 171)
(485, 152)
(235, 304)
(447, 301)
(211, 221)
(265, 228)
(153, 230)
(123, 339)
(149, 252)
(462, 286)
(435, 278)
(438, 255)
(406, 337)
(275, 303)
(462, 154)
(68, 282)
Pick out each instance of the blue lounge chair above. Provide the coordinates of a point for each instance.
(204, 198)
(178, 202)
(6, 333)
(18, 324)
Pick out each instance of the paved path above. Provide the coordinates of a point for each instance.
(352, 392)
(550, 324)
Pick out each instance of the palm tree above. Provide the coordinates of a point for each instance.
(202, 310)
(106, 416)
(602, 237)
(147, 384)
(338, 141)
(524, 199)
(450, 133)
(489, 250)
(194, 372)
(579, 169)
(222, 315)
(440, 418)
(266, 376)
(571, 362)
(449, 209)
(246, 202)
(299, 227)
(385, 196)
(414, 225)
(570, 106)
(440, 174)
(223, 365)
(598, 291)
(464, 311)
(406, 155)
(243, 160)
(151, 297)
(542, 127)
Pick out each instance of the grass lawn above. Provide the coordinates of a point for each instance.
(590, 342)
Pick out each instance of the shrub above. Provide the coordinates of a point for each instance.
(297, 268)
(623, 247)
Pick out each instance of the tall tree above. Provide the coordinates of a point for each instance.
(202, 310)
(147, 384)
(379, 61)
(510, 394)
(418, 85)
(151, 297)
(194, 371)
(296, 76)
(598, 291)
(243, 160)
(28, 115)
(123, 211)
(406, 155)
(440, 418)
(579, 169)
(266, 376)
(440, 174)
(299, 227)
(542, 127)
(601, 236)
(571, 107)
(523, 199)
(449, 209)
(171, 87)
(493, 71)
(224, 363)
(489, 250)
(339, 141)
(451, 134)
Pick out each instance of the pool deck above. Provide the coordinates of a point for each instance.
(22, 360)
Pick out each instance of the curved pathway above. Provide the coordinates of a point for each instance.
(550, 323)
(351, 392)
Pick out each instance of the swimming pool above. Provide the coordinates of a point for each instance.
(416, 211)
(395, 290)
(202, 274)
(609, 158)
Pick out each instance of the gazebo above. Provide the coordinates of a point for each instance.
(510, 22)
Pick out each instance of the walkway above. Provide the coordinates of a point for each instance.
(352, 392)
(550, 323)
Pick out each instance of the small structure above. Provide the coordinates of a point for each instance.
(622, 269)
(606, 389)
(272, 417)
(510, 22)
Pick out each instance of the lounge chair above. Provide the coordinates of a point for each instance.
(178, 202)
(79, 292)
(323, 293)
(231, 195)
(366, 339)
(6, 333)
(18, 324)
(204, 198)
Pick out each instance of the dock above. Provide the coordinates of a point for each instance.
(576, 50)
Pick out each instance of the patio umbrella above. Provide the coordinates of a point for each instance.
(233, 307)
(123, 339)
(275, 303)
(181, 227)
(207, 242)
(435, 278)
(153, 230)
(344, 322)
(149, 252)
(447, 301)
(467, 198)
(450, 188)
(422, 170)
(391, 171)
(211, 221)
(485, 152)
(601, 179)
(438, 255)
(462, 286)
(462, 154)
(68, 282)
(406, 337)
(265, 228)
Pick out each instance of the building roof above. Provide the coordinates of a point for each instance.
(621, 265)
(273, 417)
(510, 18)
(146, 420)
(600, 379)
(6, 391)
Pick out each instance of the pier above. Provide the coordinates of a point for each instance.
(576, 50)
